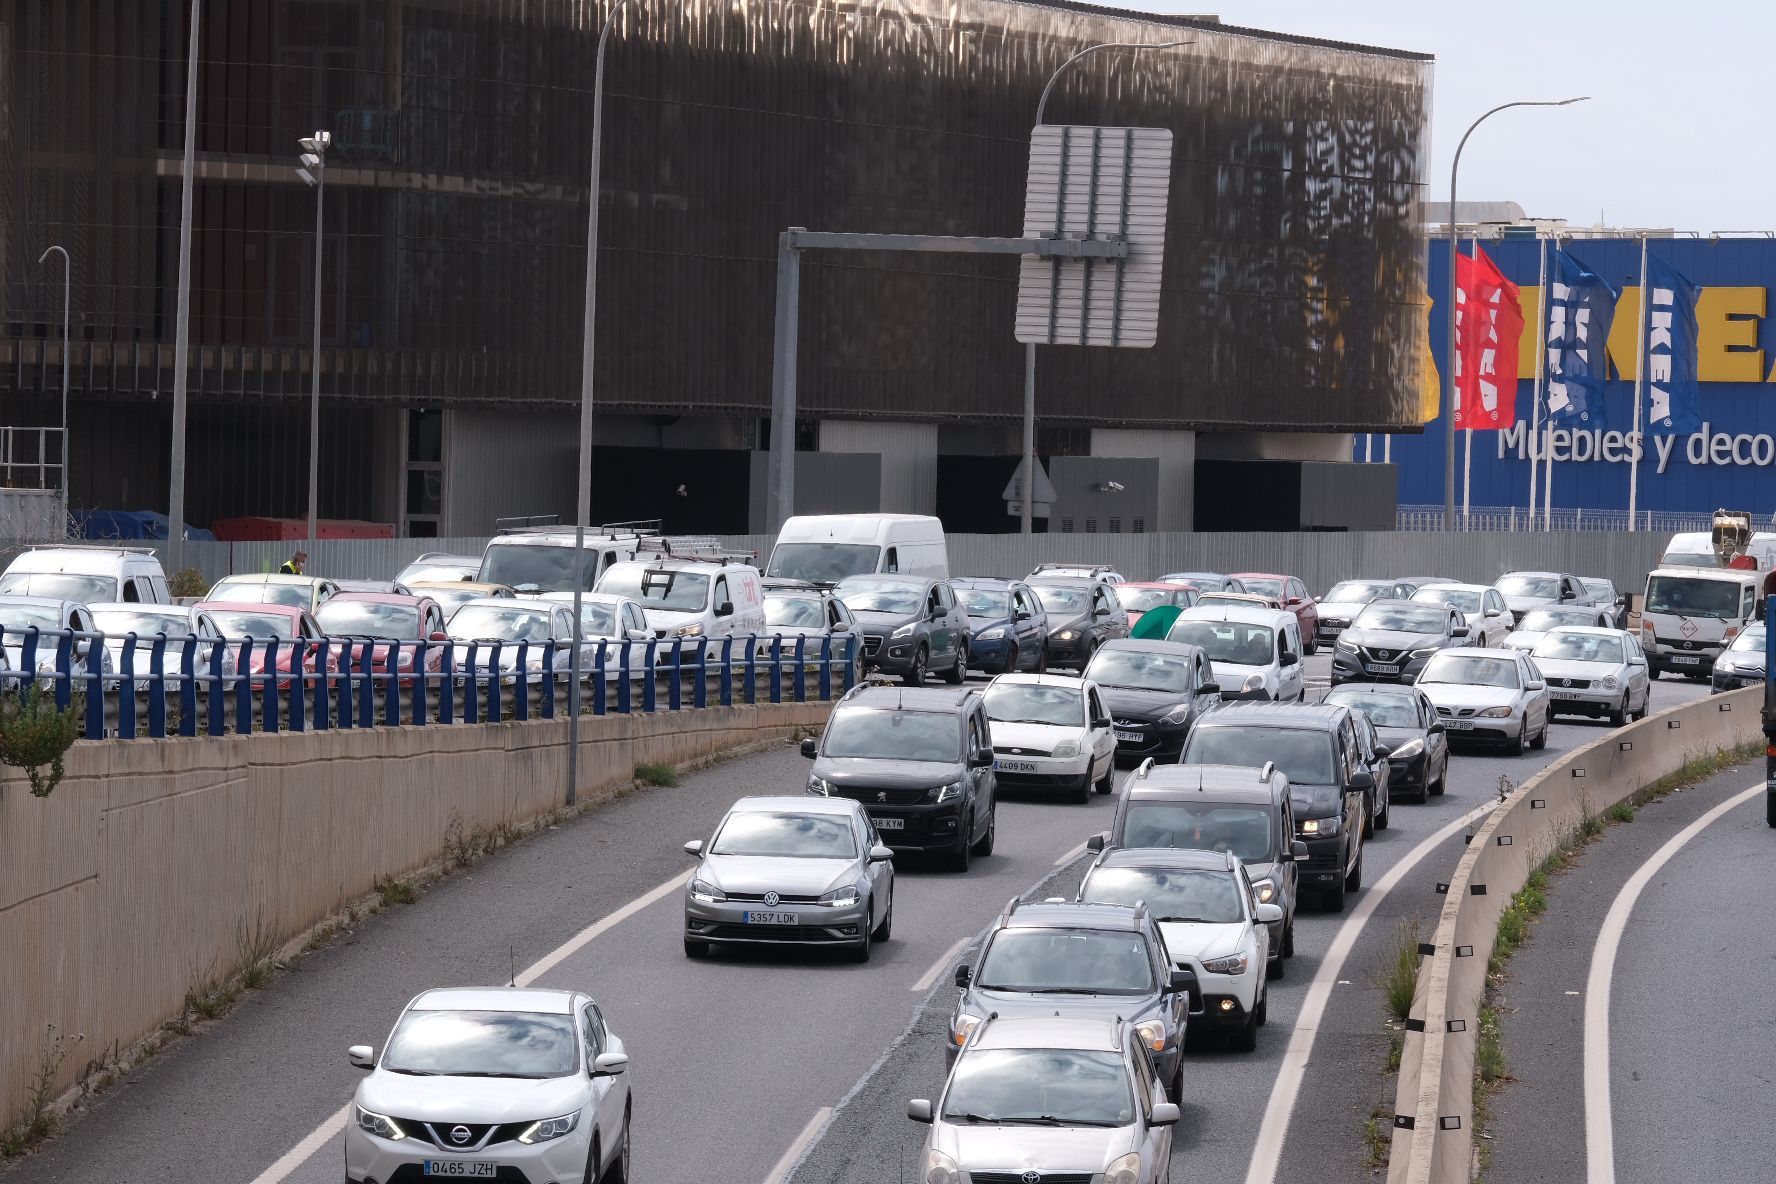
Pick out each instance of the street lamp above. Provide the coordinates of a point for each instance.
(313, 172)
(182, 324)
(1449, 310)
(1029, 484)
(67, 281)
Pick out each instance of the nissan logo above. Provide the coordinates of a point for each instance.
(459, 1134)
(1383, 654)
(772, 900)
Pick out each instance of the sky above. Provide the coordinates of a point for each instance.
(1678, 131)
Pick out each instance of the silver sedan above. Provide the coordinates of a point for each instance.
(1488, 695)
(1595, 672)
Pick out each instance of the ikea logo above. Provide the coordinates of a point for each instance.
(1727, 320)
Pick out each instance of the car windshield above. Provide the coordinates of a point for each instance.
(1384, 710)
(1200, 826)
(1171, 894)
(1471, 670)
(1027, 703)
(19, 617)
(243, 623)
(1305, 755)
(1101, 961)
(1689, 559)
(871, 734)
(882, 596)
(1202, 581)
(119, 621)
(1263, 585)
(1040, 1086)
(525, 1044)
(1357, 591)
(1228, 641)
(990, 603)
(290, 595)
(1403, 618)
(658, 587)
(786, 836)
(454, 598)
(1540, 587)
(1751, 639)
(1600, 590)
(540, 567)
(422, 569)
(1540, 620)
(795, 612)
(364, 618)
(597, 620)
(1062, 601)
(60, 586)
(822, 563)
(487, 622)
(1140, 671)
(1459, 599)
(1686, 596)
(1139, 600)
(1580, 647)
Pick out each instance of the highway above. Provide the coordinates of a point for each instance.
(771, 1067)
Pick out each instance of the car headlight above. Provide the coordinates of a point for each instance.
(1407, 750)
(1725, 664)
(1067, 635)
(1609, 680)
(962, 1027)
(404, 660)
(993, 634)
(820, 786)
(1232, 964)
(1646, 630)
(946, 793)
(906, 630)
(1345, 647)
(1178, 714)
(841, 898)
(1426, 652)
(1126, 1170)
(1153, 1034)
(688, 631)
(1495, 713)
(549, 1128)
(1067, 748)
(941, 1169)
(706, 892)
(1321, 828)
(1254, 682)
(380, 1125)
(1265, 890)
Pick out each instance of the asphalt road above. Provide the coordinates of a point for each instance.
(749, 1065)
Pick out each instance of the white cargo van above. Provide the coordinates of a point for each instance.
(88, 575)
(1691, 614)
(1695, 548)
(690, 597)
(825, 548)
(541, 559)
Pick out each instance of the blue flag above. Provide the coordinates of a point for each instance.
(1674, 402)
(1581, 305)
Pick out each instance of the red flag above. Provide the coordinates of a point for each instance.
(1488, 327)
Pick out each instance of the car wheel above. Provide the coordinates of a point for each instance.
(1310, 645)
(1653, 672)
(1175, 1087)
(619, 1169)
(1333, 898)
(861, 951)
(985, 846)
(1289, 938)
(916, 676)
(1107, 783)
(1085, 660)
(1541, 740)
(1245, 1039)
(1011, 659)
(959, 858)
(1261, 1013)
(1083, 795)
(1368, 819)
(696, 949)
(885, 930)
(1354, 880)
(1520, 745)
(1386, 815)
(958, 674)
(1622, 714)
(1435, 789)
(592, 1158)
(1770, 808)
(1042, 658)
(1275, 967)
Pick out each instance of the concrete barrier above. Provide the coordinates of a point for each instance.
(144, 870)
(1433, 1138)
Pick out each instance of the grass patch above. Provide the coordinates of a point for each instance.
(392, 891)
(256, 949)
(656, 774)
(1378, 1139)
(1620, 812)
(1399, 972)
(37, 1118)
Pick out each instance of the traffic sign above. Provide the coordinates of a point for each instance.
(1014, 493)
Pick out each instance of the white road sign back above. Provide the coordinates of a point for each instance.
(1095, 183)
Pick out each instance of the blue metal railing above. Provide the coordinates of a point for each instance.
(158, 686)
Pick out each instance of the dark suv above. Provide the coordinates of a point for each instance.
(1333, 779)
(920, 761)
(1104, 961)
(1082, 615)
(1155, 692)
(909, 625)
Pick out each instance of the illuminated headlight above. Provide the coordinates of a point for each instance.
(820, 786)
(1609, 680)
(688, 631)
(1153, 1034)
(841, 898)
(1126, 1170)
(1265, 890)
(1067, 748)
(945, 793)
(1067, 635)
(993, 634)
(1254, 682)
(939, 1168)
(1495, 713)
(962, 1027)
(707, 893)
(549, 1128)
(380, 1125)
(1320, 828)
(1232, 964)
(906, 630)
(1407, 750)
(1346, 647)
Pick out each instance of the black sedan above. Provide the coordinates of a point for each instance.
(1391, 640)
(1155, 692)
(1418, 757)
(1082, 615)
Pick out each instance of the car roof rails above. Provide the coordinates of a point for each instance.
(120, 548)
(704, 547)
(1144, 768)
(1266, 771)
(1006, 912)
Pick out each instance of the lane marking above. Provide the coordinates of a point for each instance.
(296, 1156)
(786, 1161)
(1268, 1152)
(943, 960)
(1600, 1134)
(1070, 856)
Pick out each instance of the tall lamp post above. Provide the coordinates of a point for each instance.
(1029, 447)
(182, 324)
(67, 284)
(313, 172)
(1449, 303)
(583, 501)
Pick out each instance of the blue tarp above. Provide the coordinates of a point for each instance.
(121, 525)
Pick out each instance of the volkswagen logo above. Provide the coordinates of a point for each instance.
(772, 900)
(1566, 682)
(1031, 1178)
(459, 1134)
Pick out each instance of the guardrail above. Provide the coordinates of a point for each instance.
(190, 686)
(1433, 1138)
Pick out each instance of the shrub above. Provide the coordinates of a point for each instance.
(189, 582)
(34, 733)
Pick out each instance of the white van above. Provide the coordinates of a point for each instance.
(1695, 548)
(825, 548)
(1691, 614)
(541, 559)
(88, 575)
(691, 597)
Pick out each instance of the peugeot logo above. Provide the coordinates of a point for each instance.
(459, 1134)
(882, 796)
(1031, 1178)
(772, 900)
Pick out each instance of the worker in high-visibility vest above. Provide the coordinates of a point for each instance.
(294, 564)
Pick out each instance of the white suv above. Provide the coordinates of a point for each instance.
(490, 1083)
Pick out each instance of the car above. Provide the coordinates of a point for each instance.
(249, 630)
(920, 761)
(1414, 583)
(804, 871)
(49, 616)
(1742, 663)
(807, 612)
(453, 596)
(1690, 615)
(606, 616)
(1209, 599)
(1155, 692)
(910, 625)
(1380, 772)
(508, 1083)
(1604, 595)
(386, 587)
(1076, 571)
(368, 622)
(1204, 581)
(176, 622)
(1222, 808)
(1490, 696)
(1524, 590)
(827, 548)
(1007, 625)
(1332, 781)
(1538, 621)
(1406, 721)
(690, 598)
(1082, 615)
(87, 574)
(1137, 598)
(304, 592)
(1255, 652)
(440, 567)
(486, 633)
(1108, 959)
(1601, 673)
(1482, 608)
(1213, 925)
(1345, 599)
(1050, 731)
(555, 558)
(1293, 596)
(1057, 1098)
(1391, 640)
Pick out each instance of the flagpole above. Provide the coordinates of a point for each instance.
(1468, 433)
(1535, 405)
(1639, 387)
(1548, 448)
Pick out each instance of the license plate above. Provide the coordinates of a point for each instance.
(1686, 659)
(1378, 669)
(1131, 737)
(888, 823)
(1459, 725)
(771, 918)
(1015, 766)
(1567, 696)
(462, 1169)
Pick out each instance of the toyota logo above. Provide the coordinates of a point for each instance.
(459, 1134)
(772, 900)
(1031, 1178)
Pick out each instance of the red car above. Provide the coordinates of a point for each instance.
(1293, 595)
(1136, 599)
(261, 623)
(372, 620)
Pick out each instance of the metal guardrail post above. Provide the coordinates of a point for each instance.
(675, 692)
(826, 666)
(301, 670)
(777, 668)
(727, 668)
(422, 676)
(471, 690)
(366, 688)
(323, 684)
(157, 688)
(650, 689)
(391, 691)
(447, 685)
(243, 690)
(600, 663)
(269, 705)
(126, 689)
(521, 684)
(700, 696)
(622, 678)
(496, 683)
(801, 668)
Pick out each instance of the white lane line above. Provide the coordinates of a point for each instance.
(1070, 856)
(780, 1169)
(1600, 1134)
(1268, 1152)
(943, 960)
(296, 1156)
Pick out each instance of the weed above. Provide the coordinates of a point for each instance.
(1590, 825)
(255, 947)
(322, 935)
(1620, 812)
(656, 774)
(1489, 1052)
(1399, 970)
(1396, 1048)
(393, 892)
(1378, 1139)
(37, 1119)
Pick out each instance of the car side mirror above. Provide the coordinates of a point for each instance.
(1209, 688)
(1289, 660)
(1293, 601)
(919, 1110)
(725, 609)
(1021, 616)
(362, 1056)
(1363, 780)
(1182, 979)
(880, 854)
(1096, 842)
(1268, 914)
(694, 848)
(637, 634)
(1230, 694)
(609, 1064)
(1103, 721)
(1436, 729)
(1492, 612)
(982, 759)
(438, 635)
(1535, 684)
(841, 627)
(1637, 661)
(1383, 750)
(1165, 1114)
(810, 747)
(1298, 851)
(962, 975)
(1460, 631)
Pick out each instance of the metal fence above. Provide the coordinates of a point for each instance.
(1564, 519)
(191, 686)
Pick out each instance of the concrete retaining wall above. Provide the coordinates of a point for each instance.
(139, 874)
(1433, 1140)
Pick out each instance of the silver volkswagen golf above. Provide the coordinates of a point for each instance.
(790, 871)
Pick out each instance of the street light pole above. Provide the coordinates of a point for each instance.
(583, 500)
(182, 329)
(1449, 359)
(67, 284)
(1029, 443)
(314, 174)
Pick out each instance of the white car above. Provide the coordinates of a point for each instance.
(1498, 696)
(1596, 672)
(1345, 599)
(1256, 652)
(690, 598)
(1537, 623)
(1207, 911)
(492, 1083)
(1078, 571)
(535, 624)
(147, 621)
(1481, 606)
(1051, 730)
(305, 592)
(20, 614)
